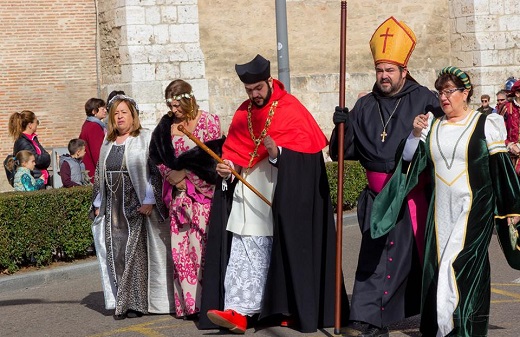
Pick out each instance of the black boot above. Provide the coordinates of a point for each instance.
(374, 331)
(133, 313)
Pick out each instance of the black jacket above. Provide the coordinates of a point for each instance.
(43, 160)
(195, 159)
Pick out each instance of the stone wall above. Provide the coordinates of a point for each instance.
(50, 50)
(313, 33)
(145, 44)
(485, 40)
(482, 37)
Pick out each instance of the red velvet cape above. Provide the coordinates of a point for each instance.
(292, 127)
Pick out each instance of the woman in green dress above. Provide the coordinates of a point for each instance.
(474, 184)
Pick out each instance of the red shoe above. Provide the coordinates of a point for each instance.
(288, 322)
(229, 319)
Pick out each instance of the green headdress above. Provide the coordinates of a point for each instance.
(457, 72)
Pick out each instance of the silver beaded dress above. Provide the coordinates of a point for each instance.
(133, 250)
(125, 236)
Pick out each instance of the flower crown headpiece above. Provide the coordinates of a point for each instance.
(459, 73)
(123, 98)
(178, 97)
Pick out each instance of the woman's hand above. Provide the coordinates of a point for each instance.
(181, 186)
(224, 169)
(420, 123)
(514, 149)
(146, 209)
(96, 211)
(513, 220)
(271, 147)
(174, 177)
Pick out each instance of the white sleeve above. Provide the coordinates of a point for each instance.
(411, 145)
(412, 142)
(275, 160)
(496, 134)
(97, 201)
(149, 198)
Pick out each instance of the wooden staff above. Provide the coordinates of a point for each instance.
(218, 159)
(341, 135)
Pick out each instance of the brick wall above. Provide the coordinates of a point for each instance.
(48, 65)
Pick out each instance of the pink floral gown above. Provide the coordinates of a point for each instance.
(189, 213)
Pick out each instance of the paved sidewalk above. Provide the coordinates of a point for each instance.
(49, 274)
(66, 300)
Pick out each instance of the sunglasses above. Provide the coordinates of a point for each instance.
(501, 99)
(484, 101)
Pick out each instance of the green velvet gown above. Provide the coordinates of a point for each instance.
(474, 188)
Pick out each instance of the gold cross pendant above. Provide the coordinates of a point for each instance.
(383, 136)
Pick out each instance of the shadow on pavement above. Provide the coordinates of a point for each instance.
(96, 302)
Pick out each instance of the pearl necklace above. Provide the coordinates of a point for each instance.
(112, 186)
(258, 141)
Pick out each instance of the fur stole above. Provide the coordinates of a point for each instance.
(195, 159)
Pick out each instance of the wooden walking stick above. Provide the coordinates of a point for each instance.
(341, 135)
(218, 159)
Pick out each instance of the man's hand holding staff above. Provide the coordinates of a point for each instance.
(222, 167)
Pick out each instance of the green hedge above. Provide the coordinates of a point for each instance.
(37, 228)
(354, 181)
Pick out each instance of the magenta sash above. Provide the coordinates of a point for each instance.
(417, 204)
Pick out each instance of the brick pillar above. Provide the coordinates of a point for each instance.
(145, 45)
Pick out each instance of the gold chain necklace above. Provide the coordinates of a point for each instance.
(258, 140)
(384, 134)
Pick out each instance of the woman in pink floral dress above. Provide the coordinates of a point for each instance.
(189, 178)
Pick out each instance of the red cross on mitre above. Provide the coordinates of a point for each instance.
(386, 35)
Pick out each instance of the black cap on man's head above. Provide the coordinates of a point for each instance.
(257, 70)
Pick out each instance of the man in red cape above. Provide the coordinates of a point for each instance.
(271, 262)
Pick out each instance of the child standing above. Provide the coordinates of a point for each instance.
(72, 168)
(23, 179)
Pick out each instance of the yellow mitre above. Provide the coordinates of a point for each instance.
(392, 42)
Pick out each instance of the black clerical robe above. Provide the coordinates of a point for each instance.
(388, 276)
(301, 277)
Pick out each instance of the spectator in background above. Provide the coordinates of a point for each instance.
(501, 100)
(114, 93)
(512, 118)
(22, 127)
(509, 83)
(24, 163)
(484, 107)
(72, 168)
(93, 132)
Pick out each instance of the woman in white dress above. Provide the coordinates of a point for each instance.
(474, 184)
